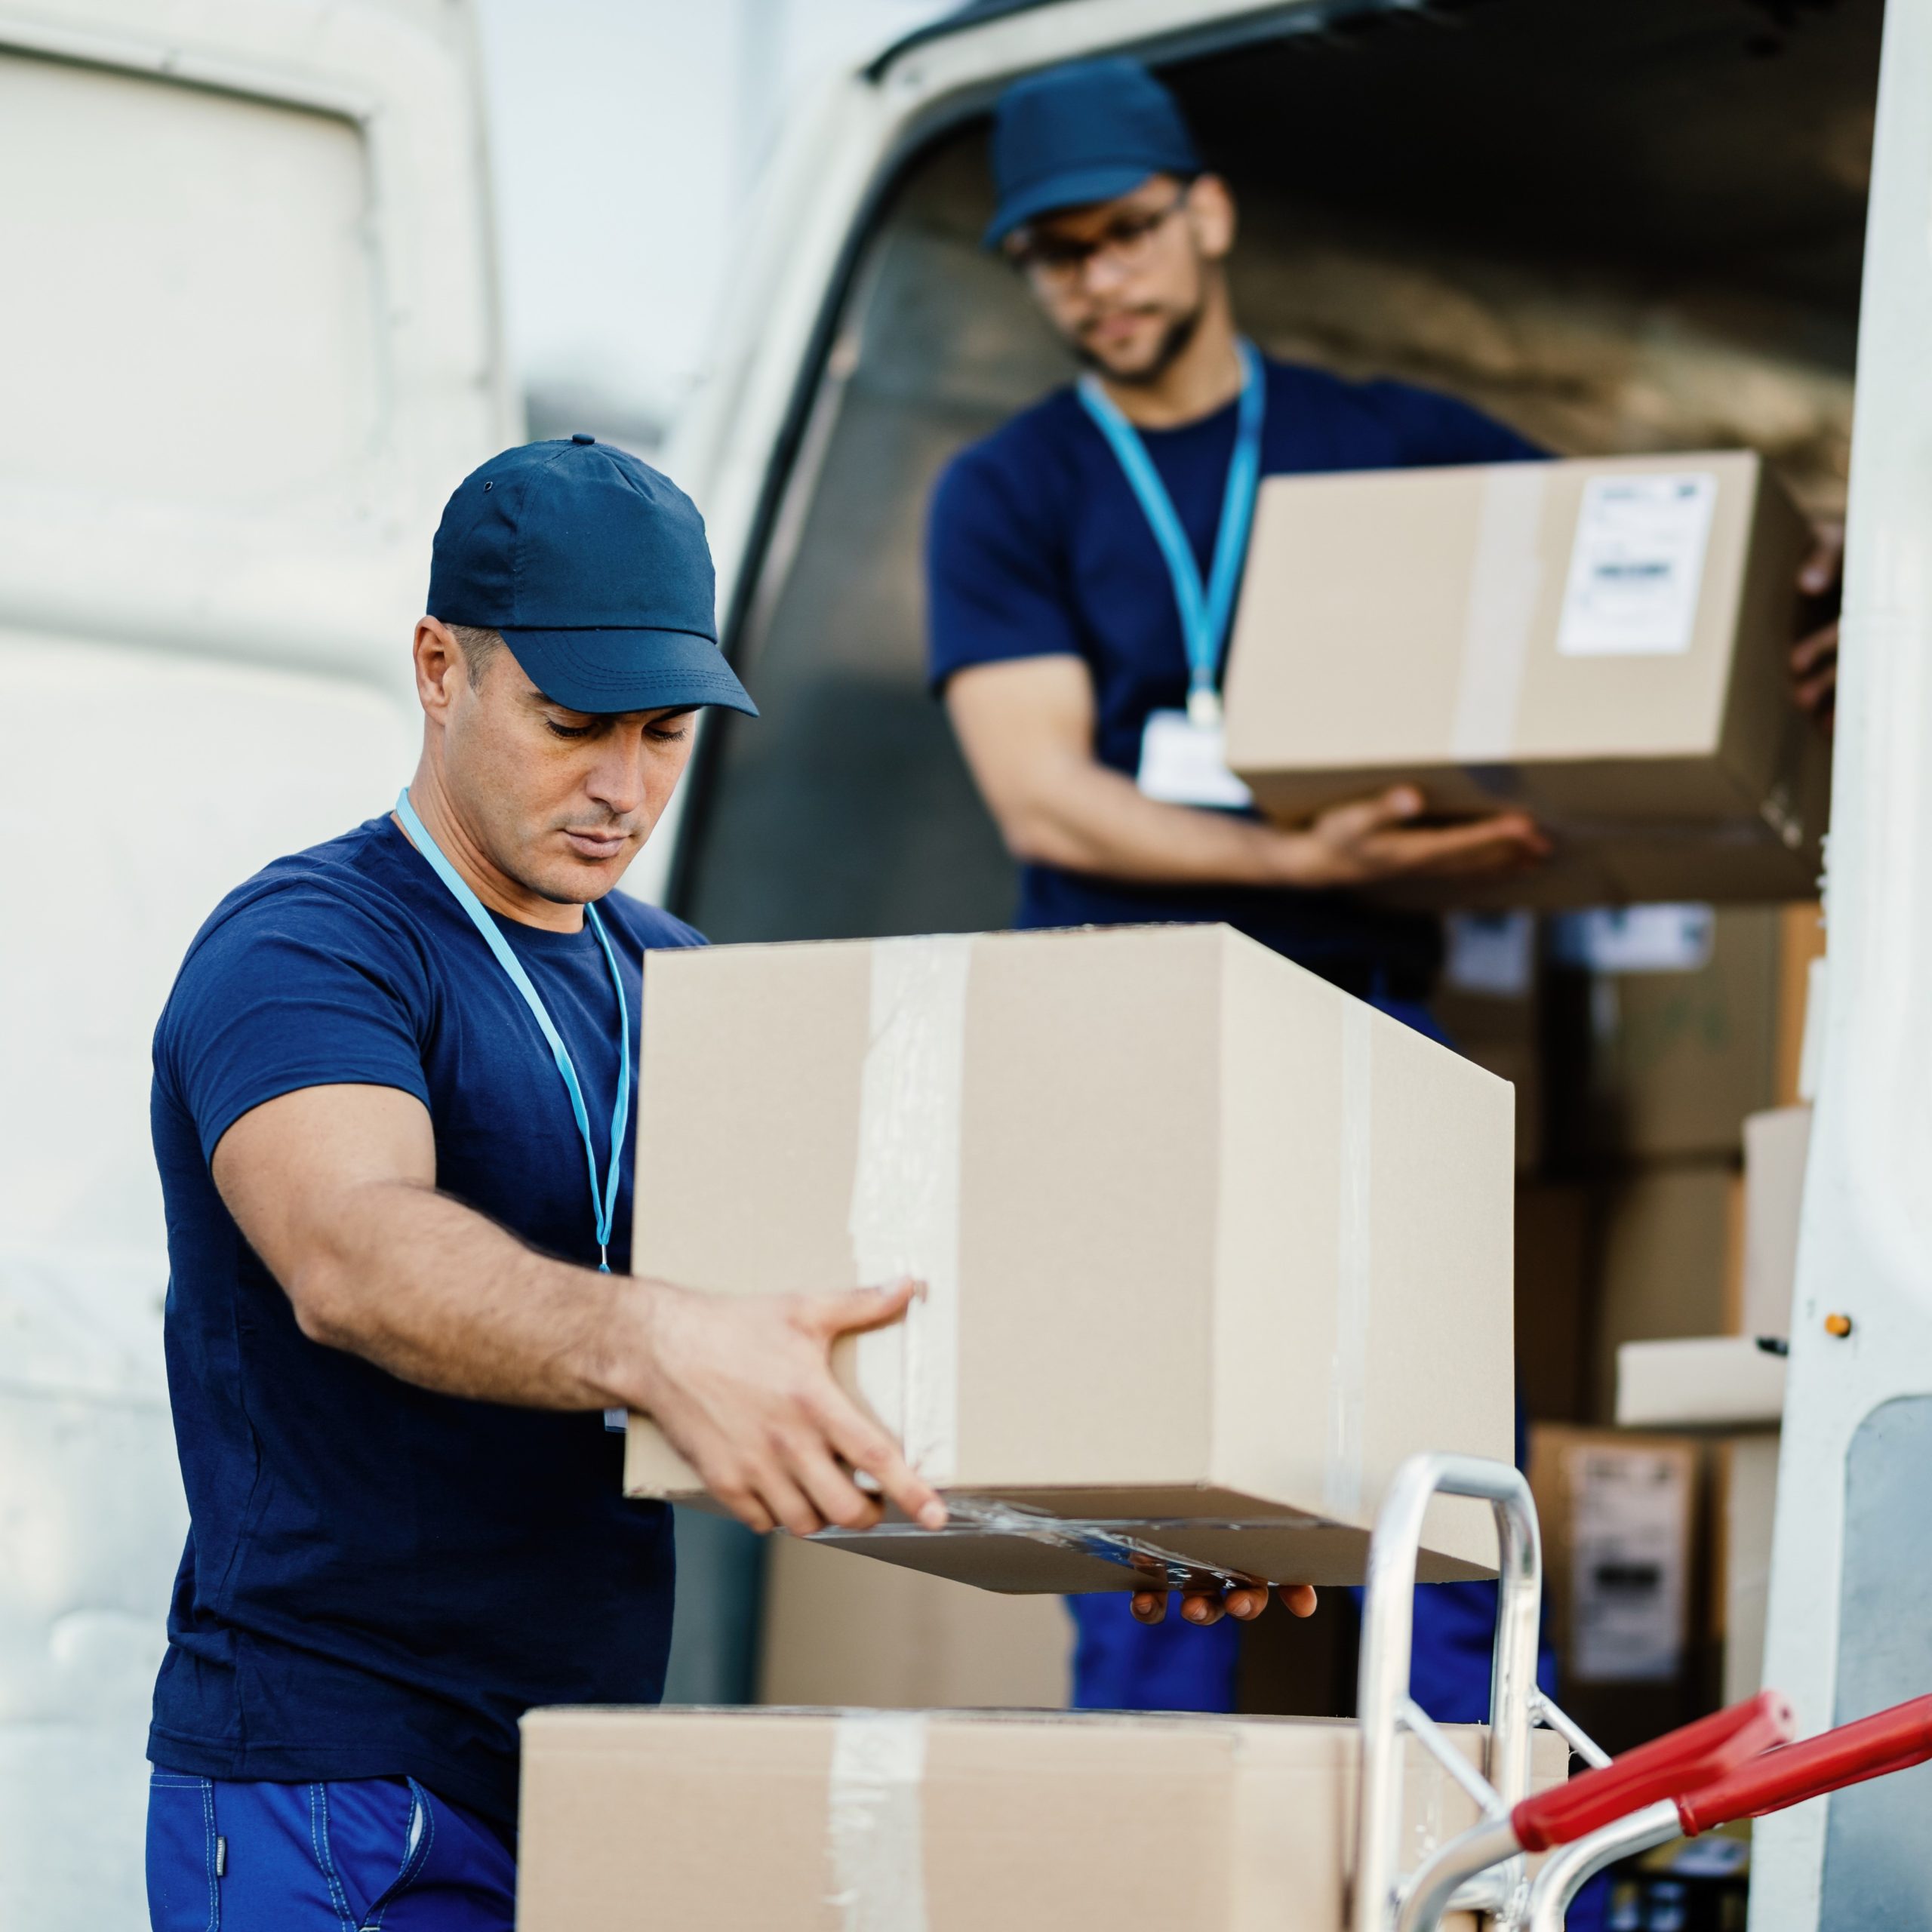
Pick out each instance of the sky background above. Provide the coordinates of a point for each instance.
(625, 136)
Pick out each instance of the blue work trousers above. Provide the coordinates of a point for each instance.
(357, 1855)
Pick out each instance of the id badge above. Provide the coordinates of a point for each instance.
(1183, 763)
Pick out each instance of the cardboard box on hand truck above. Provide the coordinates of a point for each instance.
(1602, 643)
(804, 1821)
(1209, 1246)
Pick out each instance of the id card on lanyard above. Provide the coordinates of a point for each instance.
(1183, 757)
(604, 1197)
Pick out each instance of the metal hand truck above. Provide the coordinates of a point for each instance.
(1734, 1764)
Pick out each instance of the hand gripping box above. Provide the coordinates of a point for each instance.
(1602, 643)
(764, 1820)
(1209, 1246)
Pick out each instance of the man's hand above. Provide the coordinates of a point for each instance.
(1370, 840)
(742, 1385)
(1205, 1607)
(1814, 658)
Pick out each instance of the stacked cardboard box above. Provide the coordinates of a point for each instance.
(769, 1821)
(1210, 1247)
(838, 1633)
(1621, 1514)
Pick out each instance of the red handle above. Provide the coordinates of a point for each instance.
(1679, 1760)
(1892, 1741)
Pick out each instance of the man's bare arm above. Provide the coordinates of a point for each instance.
(334, 1188)
(1027, 727)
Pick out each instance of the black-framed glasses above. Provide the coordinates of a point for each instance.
(1059, 261)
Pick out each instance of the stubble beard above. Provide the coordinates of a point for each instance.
(1173, 345)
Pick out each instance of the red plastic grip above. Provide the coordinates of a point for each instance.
(1680, 1760)
(1891, 1740)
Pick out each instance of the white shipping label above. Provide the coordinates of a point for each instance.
(1630, 1519)
(1183, 763)
(1636, 565)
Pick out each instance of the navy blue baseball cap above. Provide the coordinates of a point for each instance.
(1081, 133)
(595, 567)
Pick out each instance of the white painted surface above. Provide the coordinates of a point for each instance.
(247, 347)
(1864, 1241)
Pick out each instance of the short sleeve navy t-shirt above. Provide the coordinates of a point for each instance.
(1037, 547)
(379, 1580)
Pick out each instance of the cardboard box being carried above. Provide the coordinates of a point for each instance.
(1601, 642)
(1209, 1246)
(807, 1821)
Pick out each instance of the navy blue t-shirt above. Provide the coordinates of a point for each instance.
(378, 1580)
(1037, 547)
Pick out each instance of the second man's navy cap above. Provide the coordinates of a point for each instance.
(1080, 134)
(595, 568)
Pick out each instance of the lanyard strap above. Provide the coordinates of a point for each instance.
(604, 1201)
(1205, 611)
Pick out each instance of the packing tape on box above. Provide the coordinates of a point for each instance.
(1505, 580)
(1348, 1374)
(1122, 1541)
(875, 1831)
(905, 1213)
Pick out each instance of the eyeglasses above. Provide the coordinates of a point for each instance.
(1058, 262)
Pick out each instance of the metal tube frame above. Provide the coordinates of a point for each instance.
(1385, 1711)
(1570, 1866)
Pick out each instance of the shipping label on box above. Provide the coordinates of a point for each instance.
(1629, 1554)
(1601, 642)
(1209, 1246)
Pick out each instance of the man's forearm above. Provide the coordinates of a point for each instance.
(1089, 818)
(438, 1295)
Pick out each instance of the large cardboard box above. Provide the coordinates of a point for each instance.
(1209, 1246)
(812, 1821)
(1602, 642)
(1679, 1059)
(877, 1635)
(1620, 1514)
(1553, 1232)
(1667, 1254)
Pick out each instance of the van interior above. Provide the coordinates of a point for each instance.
(1620, 229)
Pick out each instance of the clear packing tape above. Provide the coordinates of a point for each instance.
(874, 1827)
(1128, 1543)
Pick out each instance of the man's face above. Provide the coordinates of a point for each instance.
(1124, 280)
(560, 801)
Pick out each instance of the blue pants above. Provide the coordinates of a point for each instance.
(362, 1855)
(1119, 1665)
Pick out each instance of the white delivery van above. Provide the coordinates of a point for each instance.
(248, 339)
(1628, 227)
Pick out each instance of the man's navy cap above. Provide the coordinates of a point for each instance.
(1080, 133)
(595, 567)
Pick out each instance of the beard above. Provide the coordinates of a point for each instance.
(1180, 332)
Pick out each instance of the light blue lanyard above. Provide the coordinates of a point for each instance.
(603, 1202)
(1204, 612)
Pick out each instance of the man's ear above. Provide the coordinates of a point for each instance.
(439, 666)
(1211, 214)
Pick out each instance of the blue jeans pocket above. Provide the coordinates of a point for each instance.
(183, 1893)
